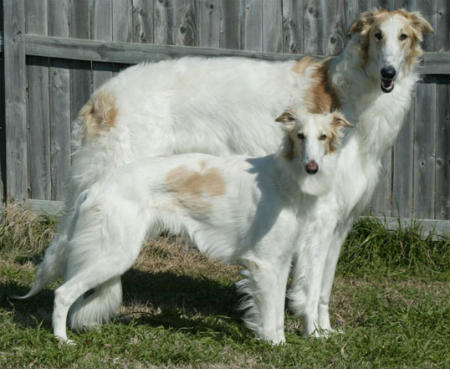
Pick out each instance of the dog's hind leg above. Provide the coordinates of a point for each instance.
(265, 289)
(105, 230)
(52, 265)
(91, 276)
(97, 306)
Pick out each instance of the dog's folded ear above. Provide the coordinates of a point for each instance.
(339, 121)
(363, 22)
(420, 24)
(287, 119)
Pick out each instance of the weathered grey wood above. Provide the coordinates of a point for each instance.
(292, 26)
(122, 21)
(229, 24)
(442, 138)
(425, 128)
(2, 116)
(435, 63)
(163, 22)
(45, 207)
(442, 190)
(80, 74)
(15, 100)
(186, 31)
(272, 28)
(132, 53)
(38, 106)
(59, 103)
(353, 8)
(403, 169)
(335, 27)
(122, 25)
(209, 23)
(386, 4)
(436, 228)
(424, 150)
(313, 27)
(142, 21)
(251, 25)
(129, 53)
(101, 25)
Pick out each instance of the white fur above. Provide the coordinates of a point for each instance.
(251, 214)
(228, 105)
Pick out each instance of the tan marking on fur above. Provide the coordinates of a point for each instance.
(287, 119)
(190, 187)
(99, 114)
(334, 133)
(289, 150)
(301, 65)
(321, 97)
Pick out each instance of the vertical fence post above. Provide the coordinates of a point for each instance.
(15, 100)
(2, 116)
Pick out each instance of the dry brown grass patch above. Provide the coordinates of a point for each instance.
(24, 231)
(176, 255)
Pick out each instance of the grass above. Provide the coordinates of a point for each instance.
(390, 298)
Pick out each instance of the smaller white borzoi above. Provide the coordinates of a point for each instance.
(236, 209)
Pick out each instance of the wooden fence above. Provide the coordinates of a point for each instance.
(56, 52)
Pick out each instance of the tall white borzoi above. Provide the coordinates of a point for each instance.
(227, 105)
(236, 209)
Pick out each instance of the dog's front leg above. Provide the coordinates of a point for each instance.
(330, 262)
(305, 290)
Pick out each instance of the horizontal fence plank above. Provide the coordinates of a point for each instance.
(435, 63)
(45, 207)
(132, 53)
(436, 227)
(129, 53)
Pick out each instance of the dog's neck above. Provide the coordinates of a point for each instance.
(377, 116)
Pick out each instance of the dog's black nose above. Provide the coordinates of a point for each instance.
(388, 72)
(312, 167)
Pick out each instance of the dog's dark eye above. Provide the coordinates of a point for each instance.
(301, 136)
(403, 37)
(322, 137)
(379, 35)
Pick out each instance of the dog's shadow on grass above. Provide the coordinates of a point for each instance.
(156, 299)
(179, 302)
(28, 313)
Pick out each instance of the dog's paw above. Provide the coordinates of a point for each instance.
(326, 333)
(278, 341)
(66, 341)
